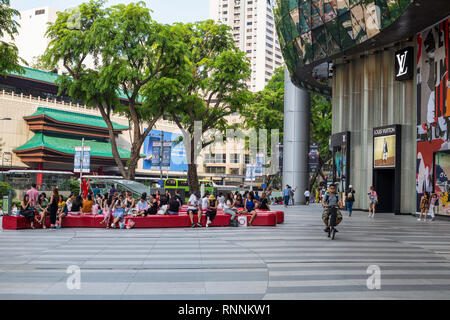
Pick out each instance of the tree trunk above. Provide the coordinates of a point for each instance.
(193, 178)
(112, 141)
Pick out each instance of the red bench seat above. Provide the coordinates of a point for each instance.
(267, 218)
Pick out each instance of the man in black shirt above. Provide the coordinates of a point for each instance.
(264, 202)
(174, 206)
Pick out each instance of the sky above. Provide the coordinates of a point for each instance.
(164, 11)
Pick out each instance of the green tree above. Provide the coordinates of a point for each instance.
(213, 89)
(320, 132)
(9, 53)
(133, 56)
(267, 112)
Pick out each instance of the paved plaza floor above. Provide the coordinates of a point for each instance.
(294, 260)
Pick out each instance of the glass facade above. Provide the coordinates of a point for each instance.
(311, 30)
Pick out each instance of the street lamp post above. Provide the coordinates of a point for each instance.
(3, 154)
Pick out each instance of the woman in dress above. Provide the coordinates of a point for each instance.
(373, 200)
(42, 208)
(53, 207)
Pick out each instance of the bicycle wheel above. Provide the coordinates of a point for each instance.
(333, 234)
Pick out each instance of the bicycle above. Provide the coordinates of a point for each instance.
(332, 222)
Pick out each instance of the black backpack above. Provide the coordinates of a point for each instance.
(234, 223)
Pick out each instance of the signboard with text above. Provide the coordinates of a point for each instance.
(82, 155)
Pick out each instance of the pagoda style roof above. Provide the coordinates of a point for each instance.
(66, 122)
(61, 149)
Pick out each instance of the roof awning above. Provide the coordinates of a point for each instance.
(53, 146)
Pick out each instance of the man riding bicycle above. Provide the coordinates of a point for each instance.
(331, 199)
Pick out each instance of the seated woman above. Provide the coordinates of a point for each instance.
(153, 209)
(87, 205)
(163, 207)
(174, 206)
(228, 207)
(142, 206)
(62, 211)
(76, 205)
(239, 201)
(99, 204)
(42, 208)
(129, 204)
(26, 211)
(119, 211)
(211, 211)
(249, 208)
(263, 203)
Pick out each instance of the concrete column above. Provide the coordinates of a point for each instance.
(296, 138)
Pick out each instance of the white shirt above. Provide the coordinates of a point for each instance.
(193, 201)
(205, 202)
(162, 210)
(227, 205)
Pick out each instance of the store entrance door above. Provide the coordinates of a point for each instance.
(384, 183)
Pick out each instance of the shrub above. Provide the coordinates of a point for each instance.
(74, 186)
(4, 188)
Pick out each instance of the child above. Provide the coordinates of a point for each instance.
(107, 211)
(434, 204)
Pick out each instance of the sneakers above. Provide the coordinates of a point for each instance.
(199, 224)
(419, 219)
(193, 225)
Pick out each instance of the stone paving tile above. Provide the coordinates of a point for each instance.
(294, 260)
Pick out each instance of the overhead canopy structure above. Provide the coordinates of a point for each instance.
(313, 32)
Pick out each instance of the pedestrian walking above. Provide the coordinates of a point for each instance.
(286, 195)
(349, 199)
(434, 205)
(424, 206)
(307, 194)
(373, 200)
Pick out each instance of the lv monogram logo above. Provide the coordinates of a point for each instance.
(402, 68)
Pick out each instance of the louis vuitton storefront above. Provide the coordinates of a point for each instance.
(388, 81)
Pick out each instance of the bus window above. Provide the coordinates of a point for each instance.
(170, 183)
(182, 183)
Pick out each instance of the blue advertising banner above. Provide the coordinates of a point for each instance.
(173, 152)
(86, 160)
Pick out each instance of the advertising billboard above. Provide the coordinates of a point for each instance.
(172, 149)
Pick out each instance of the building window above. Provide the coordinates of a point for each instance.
(249, 23)
(215, 170)
(215, 158)
(38, 12)
(234, 157)
(247, 158)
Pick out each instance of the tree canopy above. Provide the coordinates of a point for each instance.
(119, 61)
(8, 28)
(214, 87)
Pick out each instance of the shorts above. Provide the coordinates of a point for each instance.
(118, 213)
(326, 215)
(192, 211)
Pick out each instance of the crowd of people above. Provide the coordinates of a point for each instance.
(114, 206)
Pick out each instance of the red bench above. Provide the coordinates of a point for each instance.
(267, 218)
